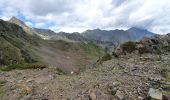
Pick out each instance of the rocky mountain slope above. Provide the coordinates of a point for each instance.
(129, 77)
(26, 28)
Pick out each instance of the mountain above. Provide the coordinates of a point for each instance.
(117, 36)
(20, 47)
(47, 34)
(26, 28)
(138, 34)
(43, 33)
(97, 36)
(107, 39)
(18, 22)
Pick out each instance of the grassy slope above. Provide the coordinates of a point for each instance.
(17, 49)
(16, 45)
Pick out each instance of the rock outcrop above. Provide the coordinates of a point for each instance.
(153, 44)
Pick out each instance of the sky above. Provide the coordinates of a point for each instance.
(80, 15)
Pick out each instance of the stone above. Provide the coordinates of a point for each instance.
(25, 87)
(140, 98)
(29, 80)
(155, 94)
(119, 95)
(92, 94)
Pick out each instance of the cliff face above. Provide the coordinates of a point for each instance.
(157, 44)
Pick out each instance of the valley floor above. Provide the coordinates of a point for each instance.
(130, 78)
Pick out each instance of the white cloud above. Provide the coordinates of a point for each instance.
(79, 15)
(29, 24)
(72, 29)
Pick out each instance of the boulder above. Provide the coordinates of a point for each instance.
(155, 94)
(92, 94)
(118, 51)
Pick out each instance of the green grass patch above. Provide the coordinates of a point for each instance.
(2, 92)
(23, 66)
(60, 71)
(91, 49)
(59, 44)
(2, 83)
(106, 57)
(166, 48)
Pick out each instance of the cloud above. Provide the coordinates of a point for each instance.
(79, 15)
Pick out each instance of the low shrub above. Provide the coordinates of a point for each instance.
(60, 71)
(166, 48)
(106, 57)
(2, 82)
(164, 72)
(23, 66)
(38, 66)
(129, 47)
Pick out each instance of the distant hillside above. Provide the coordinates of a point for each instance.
(46, 34)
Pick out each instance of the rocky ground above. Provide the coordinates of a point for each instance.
(131, 77)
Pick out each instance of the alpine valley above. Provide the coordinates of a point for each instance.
(40, 64)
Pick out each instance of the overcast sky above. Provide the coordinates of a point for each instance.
(80, 15)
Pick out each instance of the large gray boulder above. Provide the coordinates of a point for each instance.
(155, 94)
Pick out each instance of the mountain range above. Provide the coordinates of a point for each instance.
(96, 35)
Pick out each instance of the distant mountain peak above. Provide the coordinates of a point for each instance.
(17, 21)
(97, 29)
(136, 28)
(13, 18)
(45, 32)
